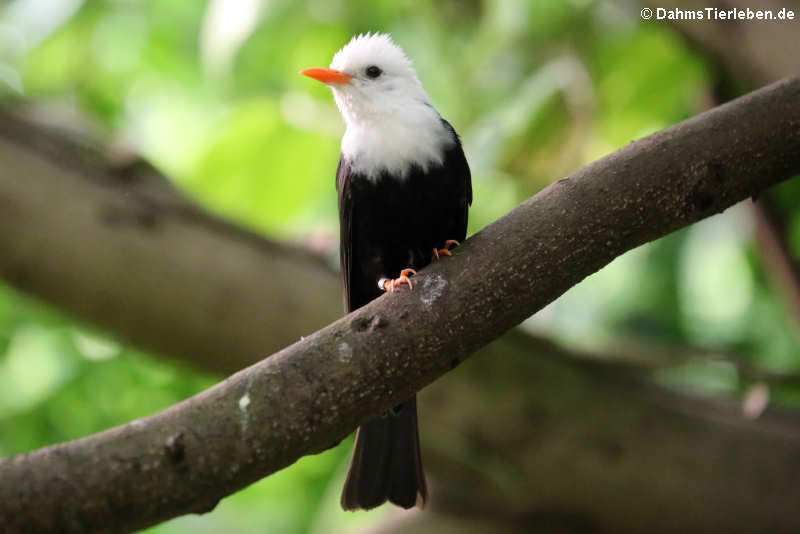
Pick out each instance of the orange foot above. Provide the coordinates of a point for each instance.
(391, 285)
(450, 243)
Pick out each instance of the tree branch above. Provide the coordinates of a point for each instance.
(748, 55)
(776, 255)
(566, 444)
(121, 248)
(307, 397)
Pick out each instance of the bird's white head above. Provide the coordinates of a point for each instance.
(391, 124)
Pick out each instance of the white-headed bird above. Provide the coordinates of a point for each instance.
(404, 191)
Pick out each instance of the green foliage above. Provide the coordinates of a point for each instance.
(209, 93)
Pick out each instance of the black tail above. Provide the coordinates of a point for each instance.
(386, 463)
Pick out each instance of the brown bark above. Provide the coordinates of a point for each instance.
(120, 248)
(311, 394)
(746, 54)
(586, 446)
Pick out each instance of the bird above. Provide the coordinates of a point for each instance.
(404, 191)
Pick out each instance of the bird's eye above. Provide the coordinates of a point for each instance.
(373, 71)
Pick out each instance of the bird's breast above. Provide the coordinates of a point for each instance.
(395, 148)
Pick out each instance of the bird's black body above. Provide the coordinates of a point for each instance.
(386, 225)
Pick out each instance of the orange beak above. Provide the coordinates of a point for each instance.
(327, 76)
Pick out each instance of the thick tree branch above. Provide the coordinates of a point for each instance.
(308, 396)
(122, 249)
(748, 55)
(566, 444)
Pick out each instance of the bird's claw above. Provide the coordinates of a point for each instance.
(391, 285)
(449, 244)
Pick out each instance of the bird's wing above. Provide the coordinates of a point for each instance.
(346, 227)
(461, 183)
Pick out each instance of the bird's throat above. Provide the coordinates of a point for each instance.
(395, 147)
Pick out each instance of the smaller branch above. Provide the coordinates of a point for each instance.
(779, 263)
